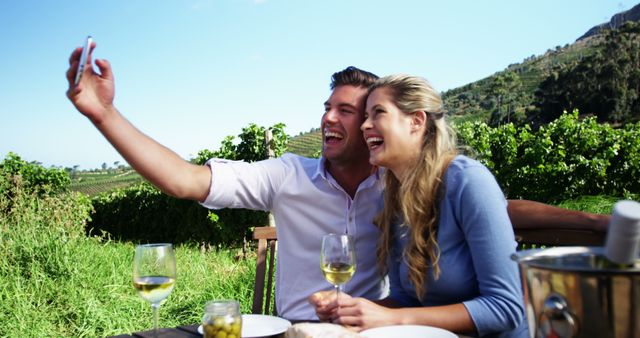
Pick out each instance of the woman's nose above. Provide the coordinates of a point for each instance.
(365, 125)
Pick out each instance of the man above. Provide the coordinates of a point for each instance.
(341, 192)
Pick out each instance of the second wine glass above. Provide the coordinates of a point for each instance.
(337, 259)
(154, 274)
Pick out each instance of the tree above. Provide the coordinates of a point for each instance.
(505, 88)
(252, 146)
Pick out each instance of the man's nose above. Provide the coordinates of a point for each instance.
(329, 116)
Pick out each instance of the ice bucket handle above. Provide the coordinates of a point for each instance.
(556, 320)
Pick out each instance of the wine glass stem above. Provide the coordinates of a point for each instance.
(338, 295)
(155, 307)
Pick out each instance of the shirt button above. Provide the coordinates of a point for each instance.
(350, 219)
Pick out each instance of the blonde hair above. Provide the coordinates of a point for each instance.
(415, 201)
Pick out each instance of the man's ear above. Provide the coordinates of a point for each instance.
(419, 120)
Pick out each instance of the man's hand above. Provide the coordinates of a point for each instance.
(93, 96)
(325, 304)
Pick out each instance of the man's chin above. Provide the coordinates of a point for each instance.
(331, 150)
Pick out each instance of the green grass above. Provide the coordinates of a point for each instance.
(55, 282)
(596, 204)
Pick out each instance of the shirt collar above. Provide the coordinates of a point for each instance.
(321, 172)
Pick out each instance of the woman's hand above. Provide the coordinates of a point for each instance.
(93, 96)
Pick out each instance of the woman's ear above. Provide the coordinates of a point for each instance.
(419, 120)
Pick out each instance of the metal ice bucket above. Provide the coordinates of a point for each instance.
(570, 292)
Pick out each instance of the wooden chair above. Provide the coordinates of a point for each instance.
(265, 268)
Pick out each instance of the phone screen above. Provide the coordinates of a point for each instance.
(83, 59)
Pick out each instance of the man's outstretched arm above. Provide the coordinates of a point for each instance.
(531, 214)
(93, 97)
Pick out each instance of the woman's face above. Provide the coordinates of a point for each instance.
(393, 137)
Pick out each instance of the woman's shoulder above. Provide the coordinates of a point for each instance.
(463, 162)
(462, 169)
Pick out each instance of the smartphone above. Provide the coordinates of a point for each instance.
(83, 59)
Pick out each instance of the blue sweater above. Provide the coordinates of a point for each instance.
(476, 241)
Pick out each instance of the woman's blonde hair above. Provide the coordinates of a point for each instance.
(415, 201)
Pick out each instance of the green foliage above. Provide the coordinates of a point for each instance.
(251, 147)
(34, 177)
(143, 213)
(567, 158)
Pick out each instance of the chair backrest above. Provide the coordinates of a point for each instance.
(558, 236)
(265, 268)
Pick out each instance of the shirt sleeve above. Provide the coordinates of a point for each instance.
(481, 209)
(238, 184)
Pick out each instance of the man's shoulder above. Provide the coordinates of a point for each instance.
(299, 160)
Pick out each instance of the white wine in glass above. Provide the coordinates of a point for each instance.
(154, 274)
(337, 259)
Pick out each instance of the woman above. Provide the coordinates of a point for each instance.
(446, 236)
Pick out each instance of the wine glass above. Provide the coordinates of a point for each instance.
(154, 274)
(337, 259)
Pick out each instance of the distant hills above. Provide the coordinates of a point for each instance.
(534, 90)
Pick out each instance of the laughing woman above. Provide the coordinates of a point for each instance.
(446, 236)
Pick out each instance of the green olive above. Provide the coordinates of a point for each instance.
(235, 328)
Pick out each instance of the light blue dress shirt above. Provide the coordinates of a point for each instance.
(306, 203)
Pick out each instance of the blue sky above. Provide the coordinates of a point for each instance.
(190, 72)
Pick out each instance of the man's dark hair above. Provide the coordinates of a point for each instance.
(354, 77)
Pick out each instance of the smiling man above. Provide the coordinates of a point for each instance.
(340, 192)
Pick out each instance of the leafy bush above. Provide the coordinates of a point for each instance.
(143, 213)
(34, 177)
(563, 160)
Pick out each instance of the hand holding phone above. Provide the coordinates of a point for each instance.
(83, 59)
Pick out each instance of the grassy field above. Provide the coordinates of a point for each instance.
(55, 282)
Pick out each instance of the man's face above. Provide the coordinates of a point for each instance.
(342, 140)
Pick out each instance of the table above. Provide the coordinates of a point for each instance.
(186, 331)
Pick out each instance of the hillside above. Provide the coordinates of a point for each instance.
(93, 183)
(514, 94)
(476, 100)
(306, 144)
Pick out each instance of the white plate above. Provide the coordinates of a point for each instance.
(260, 326)
(407, 331)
